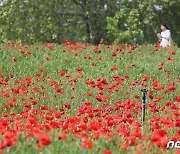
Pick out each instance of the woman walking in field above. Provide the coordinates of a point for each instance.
(165, 36)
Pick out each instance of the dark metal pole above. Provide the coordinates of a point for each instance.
(144, 104)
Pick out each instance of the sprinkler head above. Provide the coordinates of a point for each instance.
(144, 90)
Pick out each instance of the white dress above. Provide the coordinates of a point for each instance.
(166, 35)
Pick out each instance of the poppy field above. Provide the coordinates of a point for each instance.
(80, 98)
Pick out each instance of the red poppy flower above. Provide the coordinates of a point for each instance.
(89, 94)
(61, 73)
(27, 105)
(159, 134)
(114, 68)
(177, 98)
(44, 139)
(62, 136)
(67, 75)
(138, 153)
(87, 144)
(47, 58)
(89, 57)
(145, 78)
(114, 54)
(99, 98)
(93, 64)
(66, 105)
(107, 151)
(122, 52)
(160, 67)
(133, 64)
(171, 88)
(6, 143)
(136, 96)
(72, 97)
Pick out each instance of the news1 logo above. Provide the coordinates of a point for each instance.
(172, 144)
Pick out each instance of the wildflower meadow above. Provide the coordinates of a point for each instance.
(80, 98)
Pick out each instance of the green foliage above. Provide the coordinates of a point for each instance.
(151, 14)
(31, 21)
(125, 25)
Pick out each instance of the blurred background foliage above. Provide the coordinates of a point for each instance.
(123, 21)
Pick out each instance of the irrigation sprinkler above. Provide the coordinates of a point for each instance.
(144, 101)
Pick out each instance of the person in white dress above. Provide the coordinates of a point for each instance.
(165, 36)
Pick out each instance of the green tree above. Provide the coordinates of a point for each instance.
(151, 14)
(29, 21)
(44, 21)
(135, 21)
(125, 25)
(93, 15)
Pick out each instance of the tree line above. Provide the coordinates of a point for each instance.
(123, 21)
